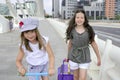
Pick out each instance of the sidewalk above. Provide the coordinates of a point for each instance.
(9, 50)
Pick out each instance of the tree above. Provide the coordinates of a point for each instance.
(9, 17)
(117, 17)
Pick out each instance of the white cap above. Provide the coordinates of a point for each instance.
(28, 24)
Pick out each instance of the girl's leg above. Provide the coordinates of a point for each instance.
(75, 68)
(82, 74)
(45, 78)
(76, 74)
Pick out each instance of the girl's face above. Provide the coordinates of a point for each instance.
(30, 35)
(79, 19)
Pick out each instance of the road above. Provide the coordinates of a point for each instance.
(108, 33)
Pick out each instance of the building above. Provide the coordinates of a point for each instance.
(93, 0)
(110, 9)
(26, 9)
(117, 7)
(95, 10)
(4, 10)
(82, 3)
(68, 8)
(55, 9)
(31, 7)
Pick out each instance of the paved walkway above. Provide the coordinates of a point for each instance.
(9, 50)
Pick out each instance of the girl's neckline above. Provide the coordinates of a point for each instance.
(33, 43)
(79, 32)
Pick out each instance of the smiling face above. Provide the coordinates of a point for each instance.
(30, 35)
(79, 19)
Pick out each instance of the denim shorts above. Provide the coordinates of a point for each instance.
(38, 69)
(74, 66)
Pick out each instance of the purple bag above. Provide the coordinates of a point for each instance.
(65, 77)
(64, 72)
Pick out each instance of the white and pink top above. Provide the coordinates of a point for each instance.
(38, 56)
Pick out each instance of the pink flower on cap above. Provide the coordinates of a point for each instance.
(21, 24)
(28, 24)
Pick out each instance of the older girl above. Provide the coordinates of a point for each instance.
(79, 35)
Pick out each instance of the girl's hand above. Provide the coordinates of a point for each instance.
(22, 71)
(51, 71)
(66, 60)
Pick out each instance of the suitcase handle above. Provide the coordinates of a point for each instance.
(62, 67)
(65, 60)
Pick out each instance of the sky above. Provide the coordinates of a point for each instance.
(47, 5)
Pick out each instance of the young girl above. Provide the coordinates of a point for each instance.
(79, 35)
(36, 48)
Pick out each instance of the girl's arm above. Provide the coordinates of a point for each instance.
(19, 64)
(95, 48)
(51, 59)
(69, 45)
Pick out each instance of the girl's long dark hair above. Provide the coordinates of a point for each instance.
(72, 25)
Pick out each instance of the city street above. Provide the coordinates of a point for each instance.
(108, 33)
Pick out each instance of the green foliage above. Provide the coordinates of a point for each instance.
(48, 16)
(117, 17)
(9, 17)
